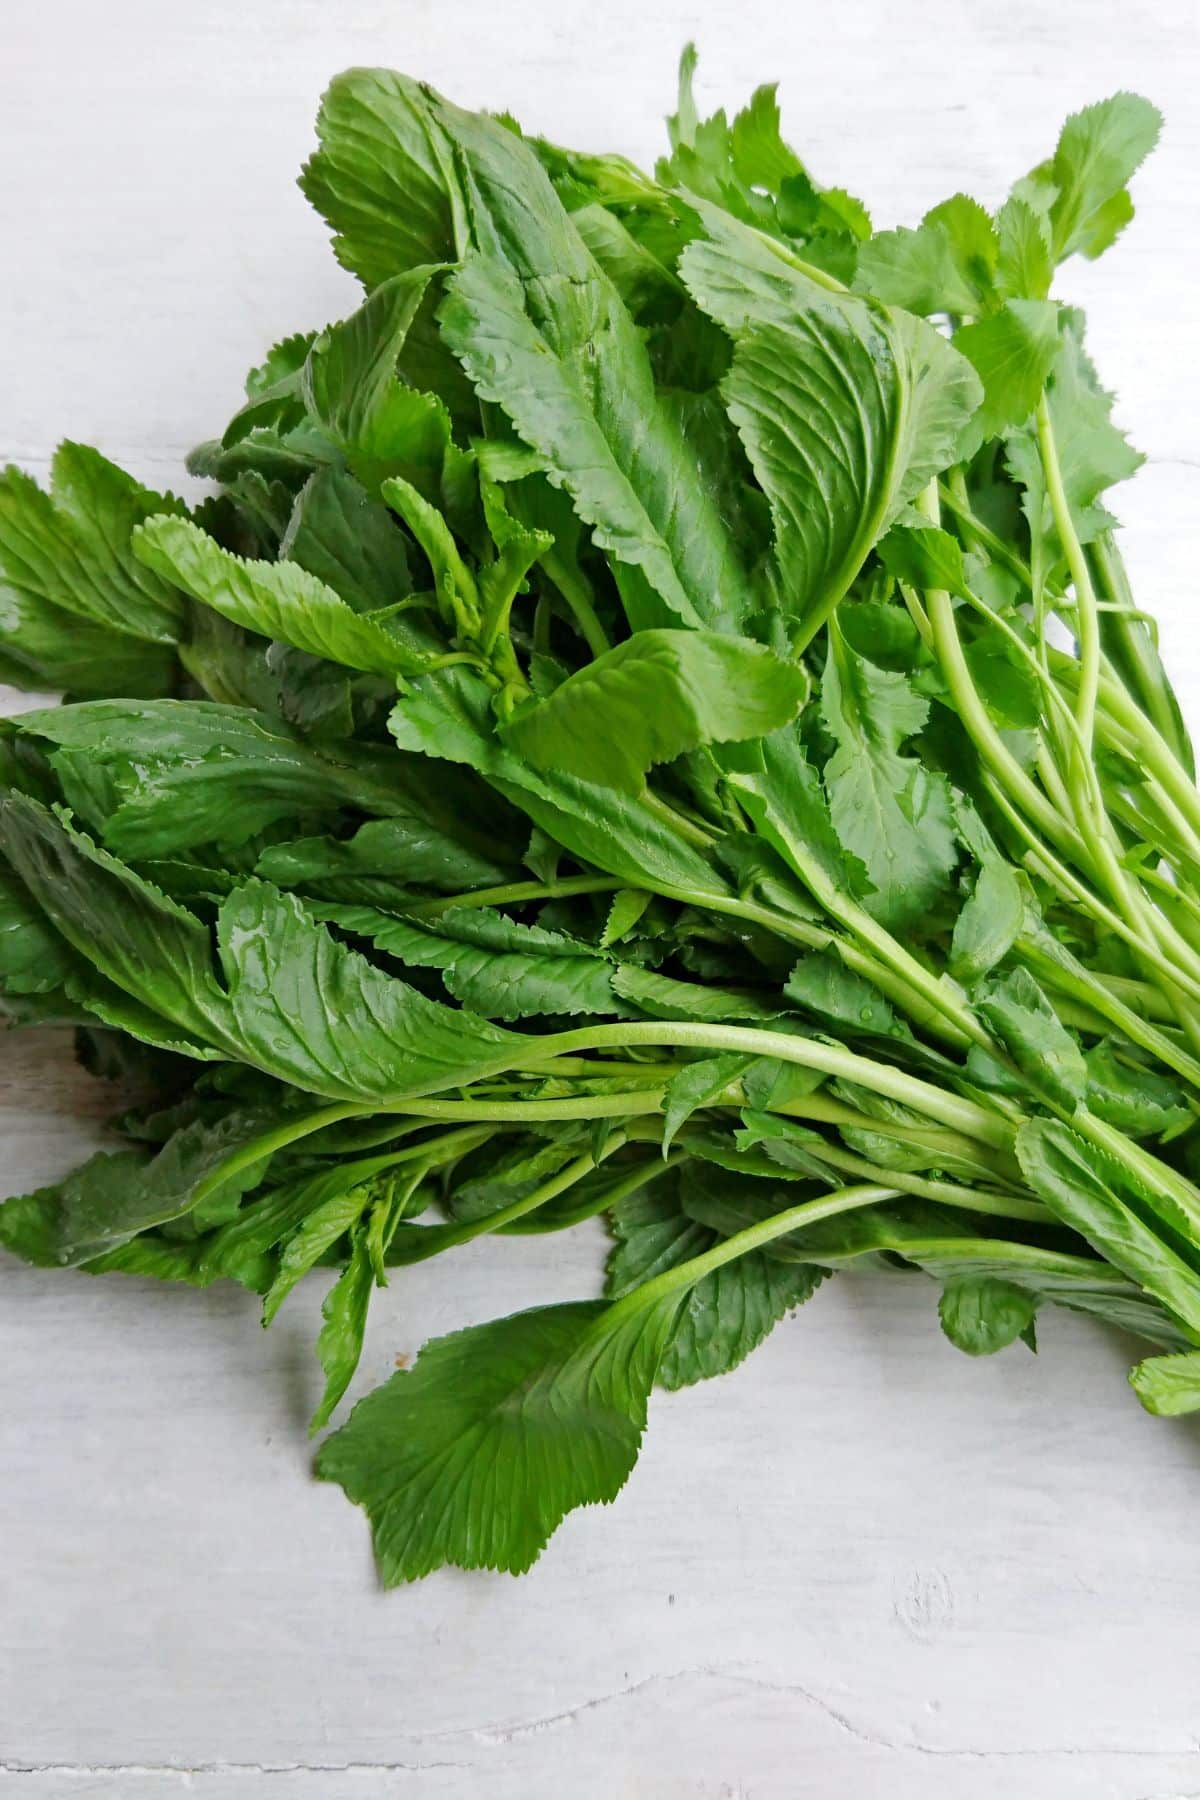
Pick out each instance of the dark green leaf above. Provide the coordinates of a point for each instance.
(655, 696)
(982, 1315)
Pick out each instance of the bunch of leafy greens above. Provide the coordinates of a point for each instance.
(610, 745)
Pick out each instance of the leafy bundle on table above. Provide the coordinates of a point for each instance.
(608, 745)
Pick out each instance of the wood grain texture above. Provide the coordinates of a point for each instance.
(863, 1565)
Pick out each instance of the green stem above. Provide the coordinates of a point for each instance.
(259, 1148)
(516, 893)
(423, 1241)
(533, 1112)
(687, 828)
(573, 591)
(1087, 619)
(921, 996)
(946, 1193)
(605, 1200)
(954, 1110)
(686, 1275)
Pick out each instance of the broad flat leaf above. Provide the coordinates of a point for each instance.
(278, 600)
(665, 998)
(347, 541)
(655, 696)
(73, 545)
(291, 1001)
(76, 610)
(495, 965)
(781, 792)
(821, 983)
(475, 1455)
(916, 269)
(728, 1313)
(1138, 1100)
(382, 181)
(33, 958)
(845, 409)
(887, 809)
(1098, 150)
(989, 922)
(449, 716)
(502, 1170)
(406, 852)
(925, 557)
(982, 1315)
(113, 1196)
(1104, 1202)
(524, 313)
(696, 1085)
(1168, 1385)
(1006, 681)
(1026, 266)
(1013, 351)
(380, 177)
(160, 776)
(1026, 1024)
(349, 373)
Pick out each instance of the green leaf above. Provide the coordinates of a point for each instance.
(787, 1144)
(1092, 453)
(1026, 266)
(988, 925)
(76, 610)
(340, 1340)
(845, 410)
(696, 1085)
(498, 967)
(33, 958)
(729, 1312)
(1168, 1385)
(925, 557)
(1098, 150)
(409, 851)
(1043, 1049)
(1007, 682)
(449, 716)
(628, 907)
(524, 313)
(1013, 352)
(476, 1454)
(73, 545)
(113, 1196)
(1138, 1100)
(887, 809)
(981, 1315)
(347, 541)
(655, 696)
(324, 1226)
(349, 374)
(779, 789)
(278, 600)
(1105, 1202)
(502, 1170)
(160, 776)
(919, 270)
(290, 1000)
(822, 984)
(665, 998)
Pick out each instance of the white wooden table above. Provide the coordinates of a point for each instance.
(863, 1565)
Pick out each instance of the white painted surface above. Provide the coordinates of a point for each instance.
(863, 1565)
